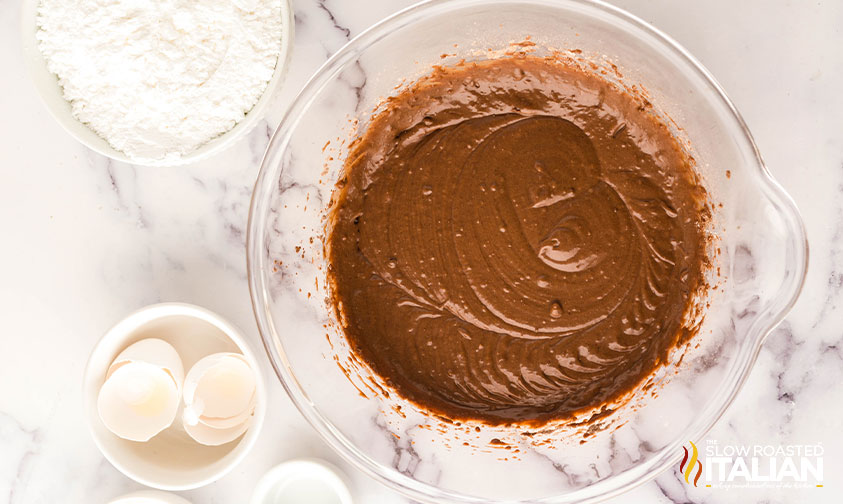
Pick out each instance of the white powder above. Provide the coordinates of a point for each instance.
(159, 78)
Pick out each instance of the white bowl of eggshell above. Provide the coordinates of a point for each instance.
(174, 396)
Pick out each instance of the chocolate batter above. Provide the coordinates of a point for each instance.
(515, 241)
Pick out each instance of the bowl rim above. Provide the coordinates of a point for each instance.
(154, 496)
(52, 97)
(329, 474)
(121, 331)
(765, 321)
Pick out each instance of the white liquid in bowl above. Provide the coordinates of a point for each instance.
(306, 481)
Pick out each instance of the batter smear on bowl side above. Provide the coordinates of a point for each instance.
(515, 241)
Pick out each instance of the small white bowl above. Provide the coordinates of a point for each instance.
(149, 497)
(303, 480)
(51, 94)
(171, 460)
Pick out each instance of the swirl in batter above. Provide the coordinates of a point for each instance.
(515, 241)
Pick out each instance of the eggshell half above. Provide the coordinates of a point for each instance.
(153, 351)
(219, 391)
(138, 401)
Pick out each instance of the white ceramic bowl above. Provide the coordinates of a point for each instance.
(48, 88)
(308, 481)
(171, 460)
(149, 497)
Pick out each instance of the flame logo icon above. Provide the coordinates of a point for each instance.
(687, 466)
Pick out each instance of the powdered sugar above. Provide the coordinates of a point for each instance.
(159, 78)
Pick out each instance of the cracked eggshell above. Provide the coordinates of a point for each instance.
(220, 423)
(210, 436)
(220, 391)
(153, 351)
(138, 401)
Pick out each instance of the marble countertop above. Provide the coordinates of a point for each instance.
(86, 240)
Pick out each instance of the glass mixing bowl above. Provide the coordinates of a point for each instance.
(761, 261)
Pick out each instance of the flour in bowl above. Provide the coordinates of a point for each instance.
(159, 78)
